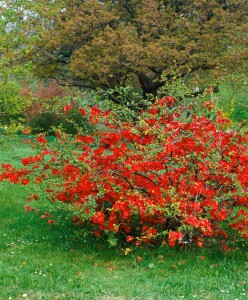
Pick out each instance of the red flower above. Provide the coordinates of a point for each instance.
(226, 248)
(36, 197)
(25, 181)
(173, 237)
(193, 221)
(129, 238)
(41, 139)
(28, 208)
(98, 218)
(110, 139)
(96, 233)
(209, 105)
(31, 160)
(209, 90)
(68, 107)
(82, 111)
(55, 171)
(85, 139)
(7, 166)
(94, 115)
(168, 101)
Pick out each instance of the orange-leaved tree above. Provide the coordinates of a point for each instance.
(101, 43)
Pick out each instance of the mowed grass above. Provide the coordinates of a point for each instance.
(234, 103)
(42, 261)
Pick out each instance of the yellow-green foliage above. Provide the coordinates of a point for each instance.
(234, 103)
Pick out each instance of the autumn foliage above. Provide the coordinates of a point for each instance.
(105, 43)
(42, 103)
(171, 177)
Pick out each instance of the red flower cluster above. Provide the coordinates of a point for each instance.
(68, 107)
(41, 139)
(166, 179)
(209, 105)
(168, 101)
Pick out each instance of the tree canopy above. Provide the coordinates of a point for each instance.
(101, 43)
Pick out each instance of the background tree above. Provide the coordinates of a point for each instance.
(15, 39)
(22, 27)
(100, 43)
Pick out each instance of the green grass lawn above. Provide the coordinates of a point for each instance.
(234, 103)
(42, 261)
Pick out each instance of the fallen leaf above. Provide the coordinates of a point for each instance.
(127, 251)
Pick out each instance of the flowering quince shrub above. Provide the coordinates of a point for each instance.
(171, 177)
